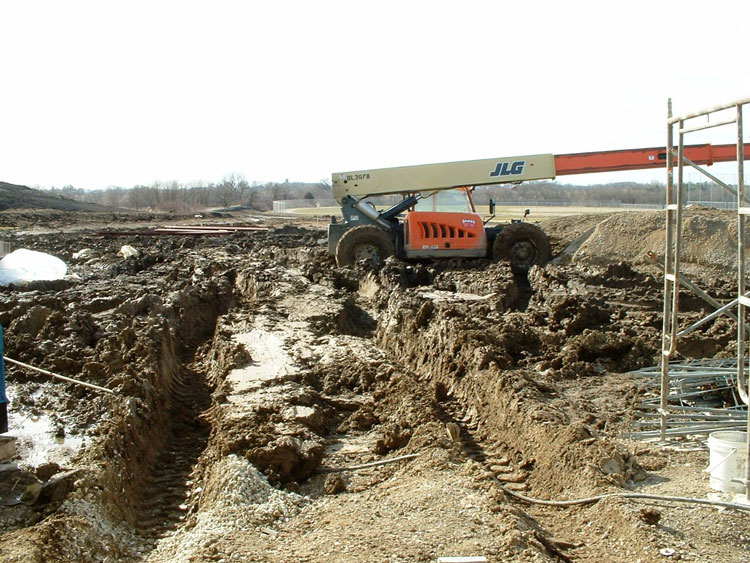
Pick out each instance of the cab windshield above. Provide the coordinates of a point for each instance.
(455, 201)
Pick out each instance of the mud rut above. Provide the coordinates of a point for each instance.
(247, 365)
(166, 484)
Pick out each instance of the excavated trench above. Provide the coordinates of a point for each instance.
(252, 374)
(134, 326)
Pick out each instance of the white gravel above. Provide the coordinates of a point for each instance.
(236, 497)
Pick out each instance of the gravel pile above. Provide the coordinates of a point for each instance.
(236, 497)
(100, 538)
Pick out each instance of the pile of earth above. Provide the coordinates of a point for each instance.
(13, 196)
(709, 237)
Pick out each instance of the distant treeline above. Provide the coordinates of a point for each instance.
(620, 192)
(234, 190)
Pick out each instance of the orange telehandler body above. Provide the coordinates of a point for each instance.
(440, 216)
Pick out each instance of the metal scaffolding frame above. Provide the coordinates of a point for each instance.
(679, 127)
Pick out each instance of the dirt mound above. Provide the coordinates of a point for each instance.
(709, 237)
(22, 197)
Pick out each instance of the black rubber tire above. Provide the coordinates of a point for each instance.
(524, 245)
(366, 242)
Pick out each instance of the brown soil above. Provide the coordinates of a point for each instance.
(253, 376)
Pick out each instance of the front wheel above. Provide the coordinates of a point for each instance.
(367, 242)
(524, 245)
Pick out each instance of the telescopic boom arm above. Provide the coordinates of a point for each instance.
(445, 176)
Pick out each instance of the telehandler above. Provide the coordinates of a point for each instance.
(437, 217)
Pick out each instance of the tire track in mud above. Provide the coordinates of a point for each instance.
(167, 489)
(165, 500)
(505, 468)
(505, 414)
(164, 456)
(462, 427)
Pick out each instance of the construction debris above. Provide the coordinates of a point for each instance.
(194, 230)
(703, 398)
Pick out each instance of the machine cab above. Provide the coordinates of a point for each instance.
(445, 223)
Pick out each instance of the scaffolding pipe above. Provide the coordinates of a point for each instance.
(710, 176)
(721, 107)
(741, 381)
(672, 257)
(668, 282)
(712, 316)
(708, 126)
(683, 431)
(685, 281)
(686, 408)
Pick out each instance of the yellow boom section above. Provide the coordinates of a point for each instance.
(444, 176)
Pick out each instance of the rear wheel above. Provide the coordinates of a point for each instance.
(367, 243)
(524, 245)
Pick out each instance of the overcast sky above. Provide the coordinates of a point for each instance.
(105, 93)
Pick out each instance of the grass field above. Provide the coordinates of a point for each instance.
(502, 213)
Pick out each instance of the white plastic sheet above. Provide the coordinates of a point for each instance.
(24, 265)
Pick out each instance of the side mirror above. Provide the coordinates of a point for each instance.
(492, 212)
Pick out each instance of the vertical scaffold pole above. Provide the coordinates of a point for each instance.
(669, 278)
(741, 267)
(3, 397)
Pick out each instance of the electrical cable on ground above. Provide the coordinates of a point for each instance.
(62, 377)
(590, 500)
(365, 465)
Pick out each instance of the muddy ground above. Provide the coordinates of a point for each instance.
(253, 379)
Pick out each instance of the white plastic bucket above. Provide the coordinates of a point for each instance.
(728, 452)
